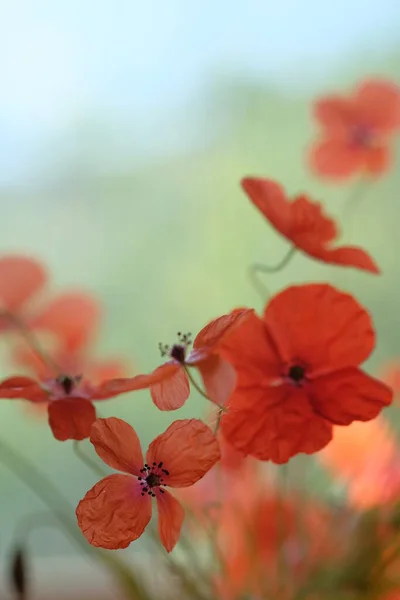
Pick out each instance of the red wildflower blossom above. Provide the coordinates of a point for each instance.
(116, 511)
(304, 224)
(356, 130)
(169, 383)
(21, 278)
(298, 373)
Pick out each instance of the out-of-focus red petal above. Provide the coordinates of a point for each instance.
(172, 391)
(335, 112)
(347, 256)
(349, 395)
(270, 198)
(251, 351)
(378, 104)
(22, 387)
(73, 317)
(219, 378)
(71, 419)
(187, 449)
(114, 513)
(170, 519)
(122, 385)
(336, 159)
(212, 334)
(274, 423)
(310, 224)
(326, 328)
(20, 278)
(377, 160)
(117, 444)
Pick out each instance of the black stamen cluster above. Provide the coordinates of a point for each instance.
(152, 477)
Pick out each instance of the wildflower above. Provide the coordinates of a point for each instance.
(169, 383)
(116, 511)
(298, 373)
(304, 224)
(21, 278)
(357, 130)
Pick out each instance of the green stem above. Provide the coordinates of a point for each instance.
(40, 485)
(201, 392)
(261, 268)
(356, 195)
(89, 462)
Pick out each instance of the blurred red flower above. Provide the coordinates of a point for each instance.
(21, 278)
(356, 130)
(116, 511)
(298, 373)
(304, 224)
(169, 383)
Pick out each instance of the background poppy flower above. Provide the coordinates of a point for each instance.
(21, 278)
(356, 130)
(116, 511)
(298, 373)
(169, 383)
(304, 224)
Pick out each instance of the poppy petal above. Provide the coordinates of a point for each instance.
(274, 423)
(173, 390)
(187, 450)
(252, 352)
(347, 256)
(336, 159)
(270, 199)
(72, 317)
(117, 444)
(377, 160)
(170, 518)
(213, 333)
(378, 103)
(71, 419)
(22, 388)
(348, 396)
(219, 378)
(123, 385)
(334, 112)
(326, 328)
(20, 278)
(114, 513)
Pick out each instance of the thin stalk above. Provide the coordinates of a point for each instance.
(48, 493)
(198, 389)
(356, 195)
(89, 462)
(257, 268)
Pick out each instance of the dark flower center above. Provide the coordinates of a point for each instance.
(296, 373)
(67, 383)
(362, 136)
(177, 351)
(153, 477)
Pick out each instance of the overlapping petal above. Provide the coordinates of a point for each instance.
(21, 277)
(213, 333)
(219, 378)
(348, 396)
(327, 328)
(117, 444)
(171, 389)
(71, 418)
(187, 449)
(170, 519)
(24, 388)
(114, 513)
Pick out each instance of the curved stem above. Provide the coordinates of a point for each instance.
(261, 268)
(356, 195)
(43, 488)
(89, 462)
(201, 392)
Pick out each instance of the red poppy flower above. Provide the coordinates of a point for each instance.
(169, 383)
(69, 400)
(298, 373)
(304, 224)
(116, 511)
(21, 278)
(356, 130)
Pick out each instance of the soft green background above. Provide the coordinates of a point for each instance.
(166, 244)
